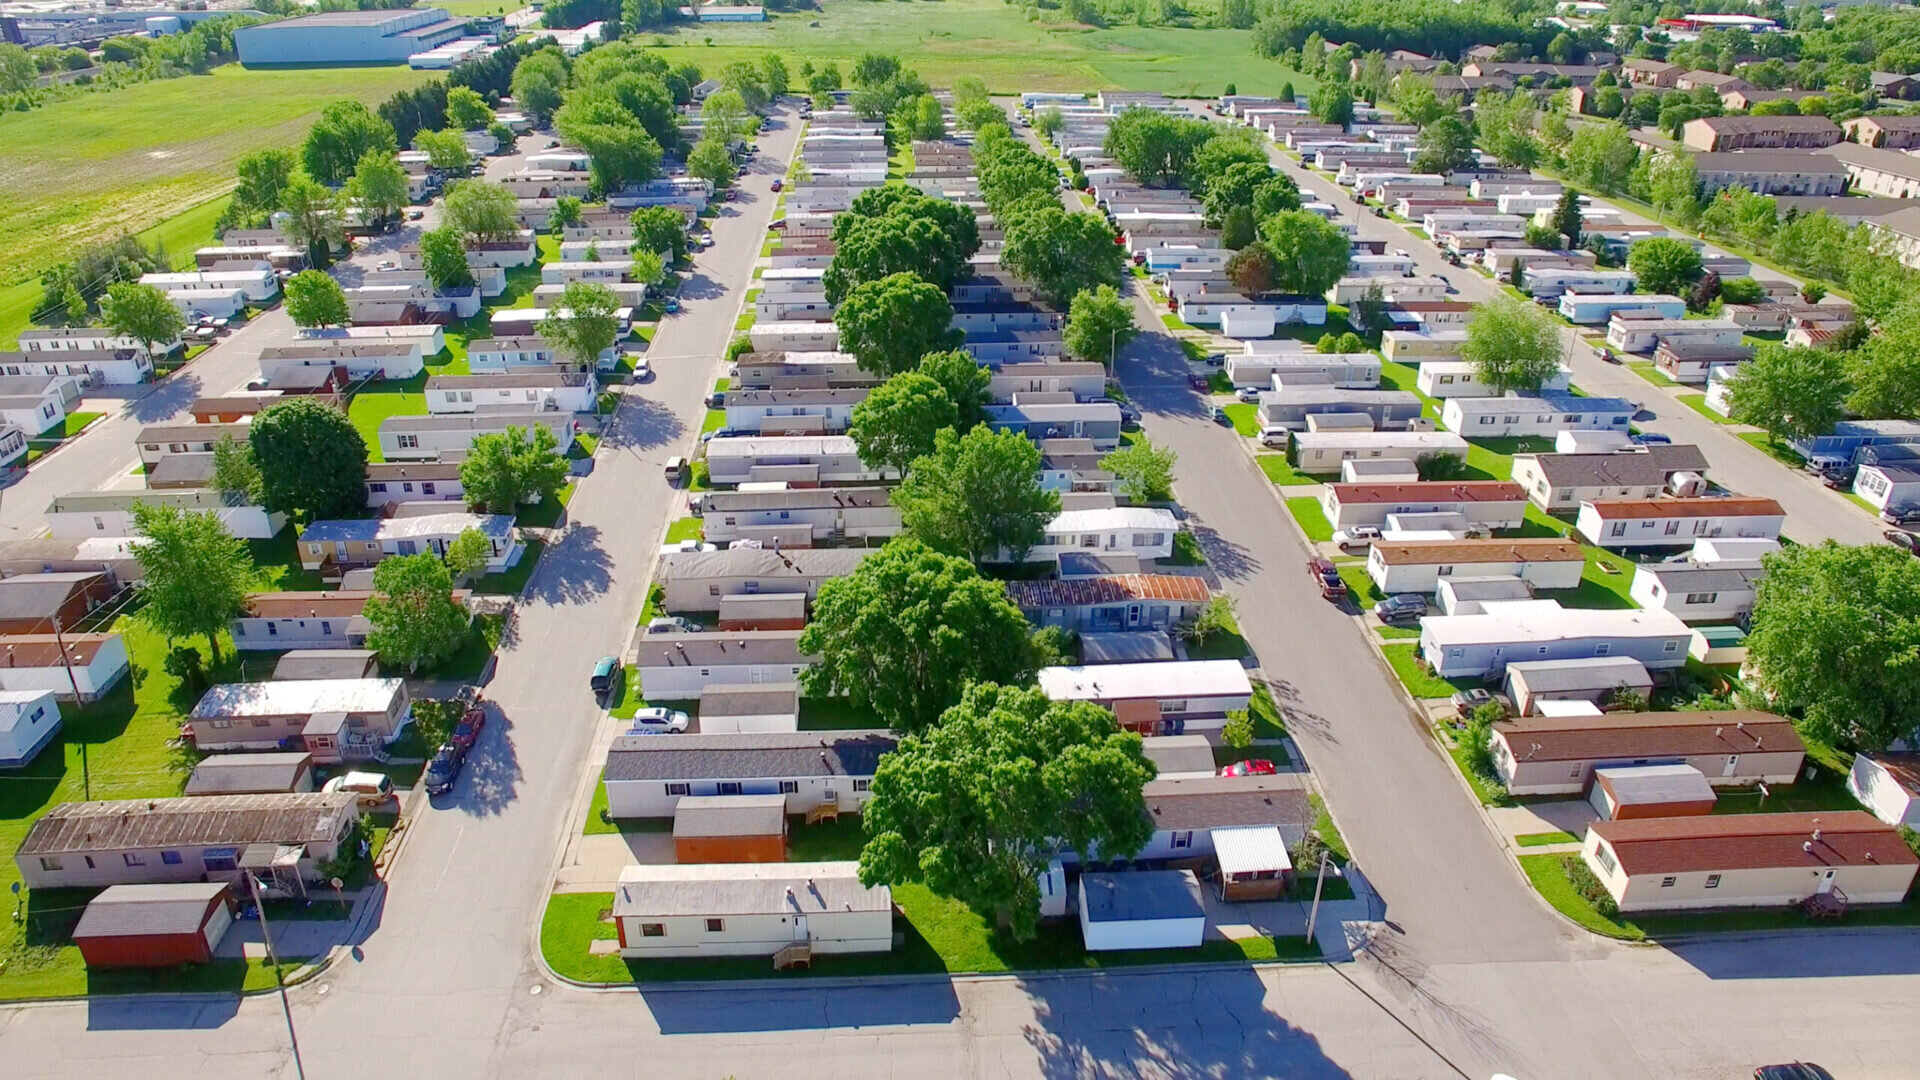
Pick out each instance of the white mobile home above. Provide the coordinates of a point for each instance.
(1466, 646)
(110, 513)
(1677, 522)
(646, 775)
(1589, 309)
(1696, 593)
(1156, 699)
(1546, 414)
(750, 909)
(1457, 378)
(795, 459)
(1347, 371)
(1419, 566)
(1329, 451)
(1645, 335)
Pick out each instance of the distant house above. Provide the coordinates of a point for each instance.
(697, 580)
(365, 541)
(798, 517)
(527, 389)
(797, 460)
(1419, 566)
(681, 667)
(1537, 755)
(160, 925)
(89, 666)
(1564, 481)
(1628, 523)
(425, 438)
(390, 483)
(1749, 860)
(110, 513)
(1355, 371)
(399, 358)
(1329, 451)
(1142, 531)
(43, 603)
(792, 412)
(1547, 413)
(1457, 646)
(1773, 172)
(1888, 785)
(1885, 132)
(29, 719)
(252, 774)
(1654, 73)
(302, 620)
(646, 775)
(750, 909)
(1723, 133)
(86, 339)
(1889, 174)
(1697, 593)
(1156, 699)
(1111, 603)
(332, 719)
(1494, 504)
(187, 839)
(1591, 680)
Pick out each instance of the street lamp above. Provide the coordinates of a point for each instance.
(266, 938)
(1319, 882)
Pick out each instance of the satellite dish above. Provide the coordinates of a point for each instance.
(336, 883)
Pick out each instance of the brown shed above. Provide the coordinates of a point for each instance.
(1650, 791)
(730, 829)
(763, 611)
(154, 925)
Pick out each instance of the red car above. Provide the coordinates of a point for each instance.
(1252, 767)
(467, 731)
(1327, 577)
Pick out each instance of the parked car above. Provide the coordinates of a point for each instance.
(1219, 416)
(778, 184)
(1356, 536)
(731, 195)
(706, 239)
(670, 624)
(1250, 767)
(1327, 576)
(1906, 541)
(687, 545)
(1247, 393)
(672, 305)
(642, 371)
(1402, 253)
(1799, 1070)
(1198, 381)
(467, 731)
(371, 788)
(1466, 701)
(443, 769)
(1650, 438)
(1401, 607)
(660, 721)
(606, 672)
(1215, 360)
(416, 215)
(1900, 515)
(676, 469)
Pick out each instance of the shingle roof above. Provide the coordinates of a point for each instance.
(762, 563)
(1139, 895)
(238, 774)
(1113, 589)
(1685, 508)
(721, 649)
(748, 755)
(1465, 491)
(296, 605)
(1632, 468)
(1457, 552)
(1685, 578)
(1205, 802)
(139, 910)
(1891, 162)
(37, 596)
(125, 824)
(1743, 125)
(43, 650)
(1753, 841)
(1647, 735)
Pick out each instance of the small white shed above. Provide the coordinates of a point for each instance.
(29, 719)
(1142, 909)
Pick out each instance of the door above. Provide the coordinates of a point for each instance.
(1133, 614)
(1826, 881)
(800, 927)
(1733, 762)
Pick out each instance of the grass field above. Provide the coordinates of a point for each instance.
(1313, 521)
(995, 42)
(100, 164)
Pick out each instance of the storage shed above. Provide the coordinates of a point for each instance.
(1142, 909)
(763, 611)
(730, 829)
(154, 925)
(1530, 682)
(252, 774)
(737, 707)
(1646, 791)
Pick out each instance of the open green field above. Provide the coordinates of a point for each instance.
(104, 163)
(993, 41)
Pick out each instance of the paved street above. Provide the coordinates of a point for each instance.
(1813, 512)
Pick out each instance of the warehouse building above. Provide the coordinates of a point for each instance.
(347, 37)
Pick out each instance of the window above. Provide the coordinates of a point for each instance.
(1671, 646)
(1445, 571)
(261, 721)
(428, 489)
(862, 785)
(1713, 881)
(170, 858)
(49, 862)
(1182, 840)
(326, 628)
(220, 723)
(715, 926)
(1487, 420)
(466, 395)
(1173, 707)
(1619, 529)
(1667, 882)
(176, 448)
(376, 487)
(678, 789)
(653, 929)
(713, 590)
(1090, 540)
(1603, 648)
(407, 487)
(134, 858)
(729, 787)
(789, 787)
(1702, 597)
(1604, 856)
(1672, 527)
(407, 442)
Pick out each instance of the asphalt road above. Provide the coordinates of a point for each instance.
(1814, 513)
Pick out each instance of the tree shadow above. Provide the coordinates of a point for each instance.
(492, 774)
(575, 569)
(698, 286)
(1185, 1024)
(758, 1006)
(1228, 558)
(165, 398)
(642, 423)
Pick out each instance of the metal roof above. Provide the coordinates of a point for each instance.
(1109, 589)
(1641, 785)
(1122, 682)
(298, 697)
(782, 755)
(1250, 849)
(721, 649)
(722, 889)
(243, 774)
(228, 820)
(141, 910)
(1584, 673)
(337, 530)
(1142, 895)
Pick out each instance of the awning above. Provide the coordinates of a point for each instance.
(1251, 849)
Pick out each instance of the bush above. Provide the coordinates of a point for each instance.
(738, 348)
(1237, 732)
(1441, 466)
(436, 719)
(1476, 739)
(1588, 885)
(184, 663)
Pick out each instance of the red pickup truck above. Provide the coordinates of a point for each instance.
(1328, 578)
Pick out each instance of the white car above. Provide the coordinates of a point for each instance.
(671, 624)
(372, 789)
(658, 721)
(642, 371)
(1357, 536)
(1402, 252)
(706, 239)
(687, 545)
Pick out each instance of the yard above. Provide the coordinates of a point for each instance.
(1313, 521)
(1778, 451)
(512, 581)
(1405, 661)
(1698, 403)
(1245, 416)
(1603, 583)
(836, 714)
(1280, 472)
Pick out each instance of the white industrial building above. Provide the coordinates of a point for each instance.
(385, 36)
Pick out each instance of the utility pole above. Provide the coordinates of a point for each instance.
(86, 772)
(266, 938)
(1319, 882)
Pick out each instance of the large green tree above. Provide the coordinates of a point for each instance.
(1445, 145)
(143, 313)
(1601, 157)
(1513, 344)
(869, 249)
(1062, 253)
(1664, 264)
(315, 299)
(539, 83)
(446, 150)
(314, 220)
(345, 132)
(978, 496)
(977, 805)
(412, 616)
(379, 186)
(582, 324)
(467, 110)
(908, 630)
(1143, 471)
(661, 229)
(1234, 187)
(443, 255)
(1309, 254)
(1836, 638)
(899, 420)
(263, 174)
(1252, 269)
(481, 210)
(311, 459)
(1099, 325)
(964, 380)
(710, 160)
(1791, 393)
(196, 575)
(519, 465)
(623, 151)
(1885, 371)
(1154, 147)
(890, 323)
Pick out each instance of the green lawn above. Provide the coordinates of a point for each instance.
(512, 581)
(96, 165)
(1245, 416)
(1698, 403)
(1361, 585)
(1313, 521)
(1492, 459)
(75, 423)
(599, 825)
(939, 935)
(1404, 659)
(1779, 452)
(277, 565)
(1280, 472)
(836, 714)
(1396, 376)
(1542, 839)
(1646, 370)
(1549, 876)
(1267, 721)
(1186, 551)
(686, 528)
(1603, 584)
(1489, 791)
(545, 514)
(714, 421)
